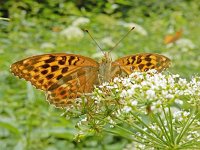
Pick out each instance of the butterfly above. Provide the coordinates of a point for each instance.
(65, 77)
(173, 38)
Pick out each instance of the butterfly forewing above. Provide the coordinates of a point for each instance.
(141, 62)
(55, 72)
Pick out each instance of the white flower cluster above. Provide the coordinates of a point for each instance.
(73, 31)
(108, 41)
(183, 45)
(80, 21)
(157, 106)
(47, 45)
(138, 28)
(153, 89)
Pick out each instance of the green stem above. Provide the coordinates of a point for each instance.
(185, 128)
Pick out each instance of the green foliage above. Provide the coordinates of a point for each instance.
(35, 27)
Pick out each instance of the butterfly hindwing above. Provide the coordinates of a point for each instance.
(72, 86)
(142, 62)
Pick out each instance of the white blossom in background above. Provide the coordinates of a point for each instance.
(138, 28)
(182, 44)
(114, 6)
(108, 41)
(80, 21)
(47, 46)
(72, 32)
(31, 52)
(185, 44)
(98, 55)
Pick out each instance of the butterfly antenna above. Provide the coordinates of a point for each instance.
(121, 39)
(94, 41)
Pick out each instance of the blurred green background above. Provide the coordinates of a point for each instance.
(27, 122)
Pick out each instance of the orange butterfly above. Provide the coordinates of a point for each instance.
(173, 38)
(65, 77)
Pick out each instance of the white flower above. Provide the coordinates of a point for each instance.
(111, 86)
(47, 45)
(130, 92)
(156, 105)
(177, 114)
(143, 83)
(178, 101)
(126, 81)
(127, 109)
(80, 21)
(189, 137)
(198, 123)
(174, 109)
(141, 146)
(175, 76)
(185, 44)
(84, 119)
(150, 94)
(108, 41)
(182, 81)
(116, 79)
(72, 32)
(185, 113)
(114, 6)
(134, 103)
(123, 93)
(138, 28)
(169, 96)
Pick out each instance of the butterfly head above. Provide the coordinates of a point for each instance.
(107, 58)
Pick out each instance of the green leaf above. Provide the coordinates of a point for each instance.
(9, 127)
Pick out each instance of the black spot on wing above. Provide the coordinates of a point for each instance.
(44, 72)
(45, 66)
(41, 81)
(133, 58)
(49, 76)
(36, 77)
(64, 70)
(59, 77)
(54, 68)
(149, 64)
(51, 59)
(148, 59)
(63, 92)
(63, 61)
(76, 61)
(139, 60)
(71, 59)
(141, 66)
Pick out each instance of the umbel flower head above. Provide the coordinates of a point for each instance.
(158, 110)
